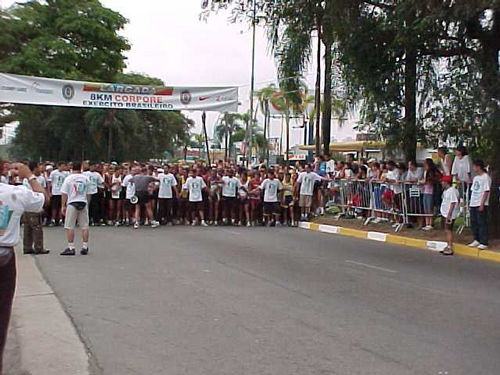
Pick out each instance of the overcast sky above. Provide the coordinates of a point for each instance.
(169, 41)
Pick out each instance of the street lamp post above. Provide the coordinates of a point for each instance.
(252, 88)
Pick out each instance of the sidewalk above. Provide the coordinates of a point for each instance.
(412, 238)
(42, 339)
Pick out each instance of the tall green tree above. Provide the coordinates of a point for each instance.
(79, 40)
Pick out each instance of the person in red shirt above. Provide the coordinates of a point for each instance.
(255, 201)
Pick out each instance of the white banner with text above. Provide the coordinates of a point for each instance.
(58, 92)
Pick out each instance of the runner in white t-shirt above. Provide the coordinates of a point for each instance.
(271, 187)
(166, 194)
(96, 182)
(56, 180)
(129, 187)
(195, 186)
(75, 208)
(230, 187)
(305, 186)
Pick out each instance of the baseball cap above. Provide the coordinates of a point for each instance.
(371, 160)
(49, 167)
(447, 179)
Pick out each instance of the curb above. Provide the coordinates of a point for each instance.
(459, 249)
(48, 342)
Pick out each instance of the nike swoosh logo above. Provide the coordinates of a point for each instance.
(202, 98)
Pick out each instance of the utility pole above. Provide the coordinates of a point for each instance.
(252, 88)
(204, 122)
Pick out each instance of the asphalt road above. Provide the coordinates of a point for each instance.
(241, 301)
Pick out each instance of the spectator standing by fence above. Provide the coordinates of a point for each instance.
(479, 201)
(461, 169)
(432, 176)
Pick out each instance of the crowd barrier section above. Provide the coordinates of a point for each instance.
(400, 204)
(464, 192)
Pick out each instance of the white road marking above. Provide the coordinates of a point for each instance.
(371, 266)
(231, 231)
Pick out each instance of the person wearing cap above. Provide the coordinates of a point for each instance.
(14, 201)
(450, 209)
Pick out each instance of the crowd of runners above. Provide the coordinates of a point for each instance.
(153, 194)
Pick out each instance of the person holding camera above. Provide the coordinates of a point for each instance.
(14, 202)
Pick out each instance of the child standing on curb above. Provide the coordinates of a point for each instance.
(450, 210)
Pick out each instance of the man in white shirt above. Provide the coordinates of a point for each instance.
(166, 194)
(129, 185)
(450, 209)
(195, 186)
(271, 187)
(305, 186)
(478, 204)
(75, 208)
(14, 201)
(96, 181)
(55, 182)
(230, 187)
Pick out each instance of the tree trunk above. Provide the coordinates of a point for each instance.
(226, 140)
(491, 85)
(409, 136)
(317, 94)
(266, 125)
(287, 124)
(327, 110)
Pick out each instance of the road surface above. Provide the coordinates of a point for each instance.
(277, 301)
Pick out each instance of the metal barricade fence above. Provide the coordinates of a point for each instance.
(417, 204)
(464, 193)
(337, 197)
(388, 204)
(358, 198)
(400, 204)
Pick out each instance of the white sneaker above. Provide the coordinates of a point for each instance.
(482, 247)
(427, 228)
(248, 224)
(216, 223)
(193, 224)
(204, 224)
(136, 225)
(155, 224)
(474, 244)
(395, 225)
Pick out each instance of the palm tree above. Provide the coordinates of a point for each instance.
(108, 123)
(224, 130)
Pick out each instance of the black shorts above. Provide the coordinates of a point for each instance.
(196, 206)
(143, 196)
(447, 225)
(229, 202)
(55, 201)
(271, 208)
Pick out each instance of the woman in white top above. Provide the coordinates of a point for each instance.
(461, 169)
(445, 161)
